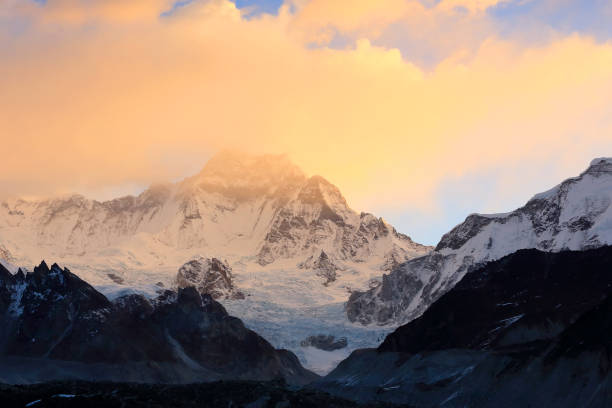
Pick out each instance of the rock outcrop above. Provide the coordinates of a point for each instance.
(325, 342)
(209, 276)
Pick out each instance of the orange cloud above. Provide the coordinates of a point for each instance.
(470, 5)
(319, 20)
(81, 11)
(132, 100)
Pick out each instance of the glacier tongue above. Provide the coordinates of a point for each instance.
(283, 308)
(575, 215)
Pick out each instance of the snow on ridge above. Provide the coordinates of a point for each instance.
(9, 266)
(597, 167)
(492, 215)
(599, 160)
(575, 215)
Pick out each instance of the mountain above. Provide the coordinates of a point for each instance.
(292, 243)
(57, 326)
(533, 321)
(239, 205)
(575, 215)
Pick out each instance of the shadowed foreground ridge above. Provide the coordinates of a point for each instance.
(57, 326)
(532, 328)
(515, 302)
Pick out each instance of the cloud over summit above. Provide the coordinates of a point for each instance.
(388, 99)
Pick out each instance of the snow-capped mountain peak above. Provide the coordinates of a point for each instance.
(240, 206)
(242, 176)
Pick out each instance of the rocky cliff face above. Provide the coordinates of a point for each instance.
(209, 276)
(532, 321)
(57, 326)
(576, 215)
(324, 267)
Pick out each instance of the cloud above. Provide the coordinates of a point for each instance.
(137, 97)
(472, 6)
(82, 11)
(321, 21)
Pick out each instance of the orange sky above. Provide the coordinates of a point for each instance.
(99, 95)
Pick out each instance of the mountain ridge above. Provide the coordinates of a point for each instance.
(576, 214)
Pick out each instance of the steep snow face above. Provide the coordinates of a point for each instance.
(291, 241)
(575, 215)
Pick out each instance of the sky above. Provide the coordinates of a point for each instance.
(421, 112)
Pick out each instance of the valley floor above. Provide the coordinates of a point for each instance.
(217, 394)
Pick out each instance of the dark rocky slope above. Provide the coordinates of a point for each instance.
(531, 329)
(515, 302)
(57, 326)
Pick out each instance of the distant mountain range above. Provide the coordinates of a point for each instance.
(507, 310)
